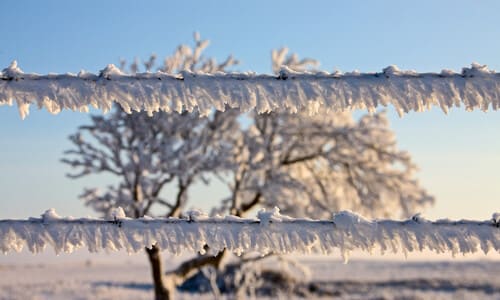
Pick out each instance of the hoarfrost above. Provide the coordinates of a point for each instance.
(474, 88)
(117, 213)
(270, 232)
(496, 218)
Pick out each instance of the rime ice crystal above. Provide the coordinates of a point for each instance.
(474, 88)
(347, 231)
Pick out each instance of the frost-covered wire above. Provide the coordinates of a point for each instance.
(269, 232)
(476, 87)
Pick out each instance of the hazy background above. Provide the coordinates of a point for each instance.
(458, 153)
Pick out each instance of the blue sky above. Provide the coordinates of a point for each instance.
(458, 153)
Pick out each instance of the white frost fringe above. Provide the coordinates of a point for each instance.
(269, 232)
(475, 88)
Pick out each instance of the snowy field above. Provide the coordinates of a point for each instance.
(359, 279)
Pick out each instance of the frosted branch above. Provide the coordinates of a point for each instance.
(269, 232)
(474, 88)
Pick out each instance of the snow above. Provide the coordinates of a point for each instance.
(496, 218)
(117, 213)
(270, 232)
(50, 215)
(475, 87)
(125, 279)
(267, 217)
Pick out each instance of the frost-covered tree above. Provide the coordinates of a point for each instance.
(306, 165)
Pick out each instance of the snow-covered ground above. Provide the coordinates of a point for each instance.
(359, 279)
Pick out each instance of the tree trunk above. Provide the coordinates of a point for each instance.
(161, 291)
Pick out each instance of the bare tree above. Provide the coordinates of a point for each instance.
(307, 165)
(147, 154)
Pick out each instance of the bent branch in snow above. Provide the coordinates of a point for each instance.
(475, 88)
(269, 232)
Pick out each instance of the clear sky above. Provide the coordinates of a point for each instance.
(459, 153)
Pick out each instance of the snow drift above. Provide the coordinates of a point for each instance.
(269, 232)
(475, 88)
